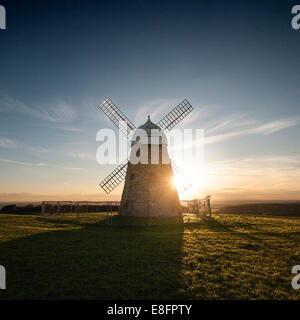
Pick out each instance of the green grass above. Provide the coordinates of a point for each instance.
(224, 257)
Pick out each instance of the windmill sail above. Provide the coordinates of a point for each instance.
(127, 127)
(186, 183)
(115, 178)
(176, 115)
(117, 117)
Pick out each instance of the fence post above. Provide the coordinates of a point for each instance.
(77, 211)
(209, 208)
(111, 216)
(150, 211)
(43, 210)
(107, 214)
(58, 208)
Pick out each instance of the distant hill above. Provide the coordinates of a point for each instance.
(19, 204)
(266, 209)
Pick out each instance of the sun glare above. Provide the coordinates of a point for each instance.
(177, 182)
(194, 178)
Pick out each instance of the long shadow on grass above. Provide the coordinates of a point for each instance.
(95, 261)
(255, 242)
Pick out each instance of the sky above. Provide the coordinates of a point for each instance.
(237, 62)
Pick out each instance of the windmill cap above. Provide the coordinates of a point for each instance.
(149, 129)
(149, 125)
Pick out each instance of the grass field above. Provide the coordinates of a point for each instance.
(223, 257)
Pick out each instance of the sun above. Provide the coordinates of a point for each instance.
(178, 182)
(195, 177)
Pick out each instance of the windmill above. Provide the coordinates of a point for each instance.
(148, 188)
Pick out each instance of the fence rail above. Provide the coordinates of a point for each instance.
(189, 208)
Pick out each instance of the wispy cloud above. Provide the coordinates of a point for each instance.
(258, 129)
(235, 121)
(66, 167)
(7, 143)
(274, 126)
(263, 129)
(58, 111)
(37, 164)
(69, 128)
(90, 106)
(82, 155)
(157, 109)
(255, 166)
(202, 115)
(36, 149)
(22, 163)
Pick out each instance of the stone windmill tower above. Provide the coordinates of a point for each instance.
(149, 188)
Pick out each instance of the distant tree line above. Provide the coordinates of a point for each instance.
(14, 209)
(53, 208)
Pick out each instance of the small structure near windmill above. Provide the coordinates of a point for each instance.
(149, 190)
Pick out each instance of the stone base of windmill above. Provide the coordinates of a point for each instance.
(146, 209)
(149, 192)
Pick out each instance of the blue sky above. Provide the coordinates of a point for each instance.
(237, 62)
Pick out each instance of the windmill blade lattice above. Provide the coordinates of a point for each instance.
(117, 117)
(115, 178)
(176, 115)
(127, 127)
(179, 173)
